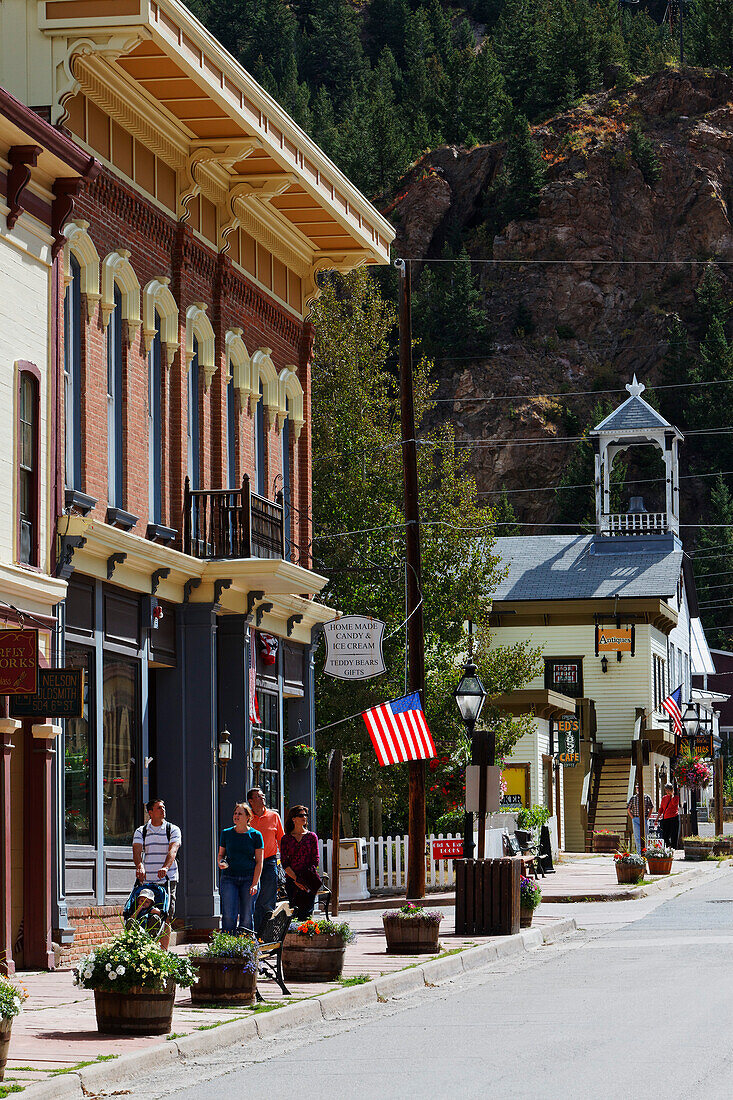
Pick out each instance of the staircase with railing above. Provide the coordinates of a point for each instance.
(232, 523)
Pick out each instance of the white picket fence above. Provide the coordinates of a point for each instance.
(387, 862)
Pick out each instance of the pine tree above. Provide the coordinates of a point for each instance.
(505, 520)
(717, 539)
(516, 193)
(709, 33)
(485, 104)
(448, 310)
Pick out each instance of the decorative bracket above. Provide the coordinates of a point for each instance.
(263, 609)
(64, 193)
(22, 158)
(113, 561)
(67, 545)
(188, 587)
(291, 622)
(252, 598)
(219, 587)
(158, 576)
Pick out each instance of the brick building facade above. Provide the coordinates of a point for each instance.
(184, 531)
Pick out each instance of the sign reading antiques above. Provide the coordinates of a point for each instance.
(568, 740)
(18, 661)
(354, 648)
(695, 744)
(619, 639)
(60, 694)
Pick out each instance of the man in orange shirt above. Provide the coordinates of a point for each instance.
(269, 824)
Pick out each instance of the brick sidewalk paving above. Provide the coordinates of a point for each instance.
(57, 1029)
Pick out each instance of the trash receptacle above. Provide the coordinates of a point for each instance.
(487, 896)
(353, 869)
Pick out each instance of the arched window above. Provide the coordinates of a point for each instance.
(259, 428)
(231, 435)
(72, 375)
(154, 427)
(28, 449)
(285, 442)
(114, 403)
(194, 453)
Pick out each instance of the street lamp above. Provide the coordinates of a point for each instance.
(258, 757)
(469, 696)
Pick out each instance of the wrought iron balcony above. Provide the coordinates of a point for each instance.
(232, 523)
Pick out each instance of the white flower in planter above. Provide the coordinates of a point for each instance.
(112, 975)
(120, 970)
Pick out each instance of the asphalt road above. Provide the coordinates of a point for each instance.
(639, 1010)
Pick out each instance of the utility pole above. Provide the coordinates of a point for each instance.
(415, 634)
(336, 768)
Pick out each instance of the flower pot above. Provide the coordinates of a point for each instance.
(6, 1026)
(697, 850)
(723, 847)
(659, 866)
(140, 1011)
(606, 842)
(223, 981)
(411, 935)
(628, 873)
(525, 917)
(313, 958)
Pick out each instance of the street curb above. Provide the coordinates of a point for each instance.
(635, 892)
(328, 1006)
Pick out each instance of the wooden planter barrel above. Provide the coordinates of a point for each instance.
(410, 935)
(606, 842)
(525, 917)
(313, 958)
(138, 1012)
(6, 1026)
(659, 866)
(723, 847)
(223, 981)
(626, 873)
(697, 850)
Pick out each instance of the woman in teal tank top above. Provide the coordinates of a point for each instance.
(240, 862)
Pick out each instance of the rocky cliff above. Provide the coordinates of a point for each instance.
(571, 322)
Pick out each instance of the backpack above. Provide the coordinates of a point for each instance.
(168, 838)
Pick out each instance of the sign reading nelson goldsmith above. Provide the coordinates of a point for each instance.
(60, 694)
(354, 648)
(18, 661)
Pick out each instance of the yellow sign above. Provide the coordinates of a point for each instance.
(516, 778)
(615, 640)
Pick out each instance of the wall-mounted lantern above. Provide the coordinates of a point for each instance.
(258, 756)
(224, 754)
(604, 663)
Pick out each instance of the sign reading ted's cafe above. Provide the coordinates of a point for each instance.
(18, 661)
(568, 741)
(354, 648)
(619, 639)
(60, 694)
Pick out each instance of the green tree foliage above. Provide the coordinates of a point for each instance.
(709, 33)
(643, 153)
(713, 564)
(448, 310)
(505, 520)
(357, 486)
(516, 193)
(575, 492)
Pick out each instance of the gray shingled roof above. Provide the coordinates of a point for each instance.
(550, 567)
(633, 415)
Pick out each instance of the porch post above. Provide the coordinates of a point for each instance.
(38, 865)
(8, 728)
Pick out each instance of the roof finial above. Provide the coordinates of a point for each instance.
(635, 388)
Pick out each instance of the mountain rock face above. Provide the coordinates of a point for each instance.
(571, 322)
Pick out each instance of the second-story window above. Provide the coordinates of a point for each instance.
(154, 428)
(659, 675)
(28, 463)
(260, 446)
(72, 376)
(231, 436)
(285, 444)
(193, 418)
(114, 403)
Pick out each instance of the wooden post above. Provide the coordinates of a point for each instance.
(38, 874)
(558, 809)
(718, 792)
(337, 765)
(640, 781)
(415, 633)
(8, 728)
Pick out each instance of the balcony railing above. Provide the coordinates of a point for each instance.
(232, 523)
(635, 523)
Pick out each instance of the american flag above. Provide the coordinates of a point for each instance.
(399, 731)
(672, 706)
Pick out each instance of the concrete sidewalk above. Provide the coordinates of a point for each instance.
(57, 1030)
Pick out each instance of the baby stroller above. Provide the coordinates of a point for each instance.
(148, 905)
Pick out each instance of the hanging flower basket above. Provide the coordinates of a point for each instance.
(692, 772)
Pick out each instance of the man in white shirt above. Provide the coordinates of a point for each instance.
(154, 849)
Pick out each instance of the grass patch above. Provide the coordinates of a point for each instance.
(446, 951)
(358, 979)
(5, 1090)
(218, 1023)
(174, 1035)
(83, 1065)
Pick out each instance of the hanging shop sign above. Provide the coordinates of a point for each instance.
(568, 740)
(695, 744)
(354, 648)
(18, 662)
(60, 694)
(618, 639)
(448, 849)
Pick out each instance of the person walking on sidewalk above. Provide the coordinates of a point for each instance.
(632, 809)
(268, 823)
(154, 849)
(240, 863)
(669, 816)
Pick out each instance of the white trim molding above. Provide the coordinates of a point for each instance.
(157, 297)
(198, 326)
(116, 268)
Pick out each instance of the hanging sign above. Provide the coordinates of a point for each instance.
(60, 694)
(18, 662)
(695, 744)
(354, 648)
(568, 740)
(619, 639)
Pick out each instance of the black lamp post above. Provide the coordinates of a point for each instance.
(469, 696)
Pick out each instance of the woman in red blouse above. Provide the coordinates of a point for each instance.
(669, 815)
(299, 858)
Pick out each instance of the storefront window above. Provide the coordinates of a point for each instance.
(77, 760)
(269, 731)
(121, 735)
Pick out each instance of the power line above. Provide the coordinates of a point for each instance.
(580, 263)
